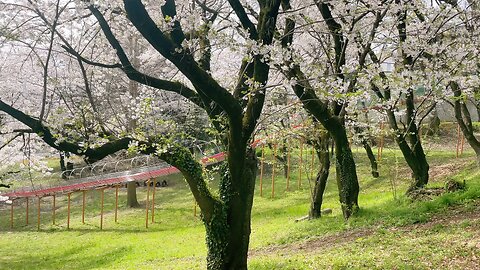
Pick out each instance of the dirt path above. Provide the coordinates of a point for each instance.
(455, 215)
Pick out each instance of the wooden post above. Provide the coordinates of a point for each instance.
(11, 215)
(68, 211)
(288, 169)
(116, 203)
(299, 182)
(261, 170)
(102, 195)
(38, 214)
(146, 204)
(380, 146)
(463, 144)
(53, 210)
(312, 163)
(458, 140)
(153, 200)
(26, 217)
(273, 169)
(83, 206)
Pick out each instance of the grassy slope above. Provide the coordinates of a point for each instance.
(176, 240)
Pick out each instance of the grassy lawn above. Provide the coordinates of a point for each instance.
(389, 232)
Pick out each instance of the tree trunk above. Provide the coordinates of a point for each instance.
(434, 123)
(464, 119)
(63, 167)
(417, 162)
(322, 175)
(347, 180)
(240, 214)
(132, 195)
(420, 173)
(228, 235)
(477, 106)
(371, 158)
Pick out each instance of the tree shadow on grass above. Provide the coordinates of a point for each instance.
(78, 258)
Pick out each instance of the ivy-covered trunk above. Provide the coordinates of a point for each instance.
(226, 217)
(347, 180)
(228, 234)
(321, 147)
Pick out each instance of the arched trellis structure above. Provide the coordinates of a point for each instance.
(146, 169)
(100, 183)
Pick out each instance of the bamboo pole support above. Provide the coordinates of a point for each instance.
(116, 204)
(38, 214)
(146, 204)
(153, 200)
(68, 211)
(102, 197)
(83, 206)
(288, 169)
(26, 216)
(261, 170)
(299, 182)
(53, 210)
(273, 169)
(11, 215)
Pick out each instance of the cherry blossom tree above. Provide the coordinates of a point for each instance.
(183, 41)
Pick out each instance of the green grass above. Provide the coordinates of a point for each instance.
(176, 240)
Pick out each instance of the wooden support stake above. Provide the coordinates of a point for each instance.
(312, 163)
(380, 146)
(458, 140)
(26, 217)
(273, 169)
(38, 214)
(83, 206)
(102, 196)
(261, 170)
(11, 215)
(146, 204)
(68, 211)
(299, 182)
(53, 210)
(116, 204)
(153, 200)
(288, 169)
(462, 145)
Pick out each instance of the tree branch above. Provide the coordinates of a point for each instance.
(243, 17)
(90, 154)
(202, 81)
(261, 69)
